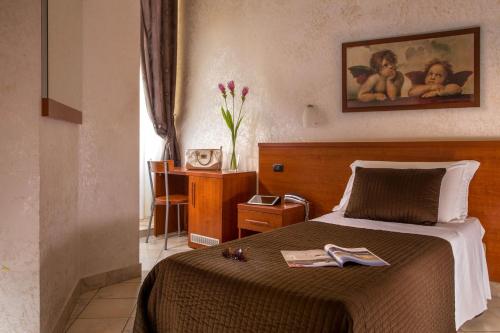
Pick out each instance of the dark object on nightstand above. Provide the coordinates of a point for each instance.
(253, 218)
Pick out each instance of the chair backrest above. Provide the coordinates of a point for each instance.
(160, 167)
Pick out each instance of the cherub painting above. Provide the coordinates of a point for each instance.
(437, 79)
(441, 70)
(381, 80)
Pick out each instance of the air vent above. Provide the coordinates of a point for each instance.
(204, 240)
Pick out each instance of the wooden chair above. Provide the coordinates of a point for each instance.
(164, 199)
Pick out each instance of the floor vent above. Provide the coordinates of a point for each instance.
(204, 240)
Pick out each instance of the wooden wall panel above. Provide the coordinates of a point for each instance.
(319, 172)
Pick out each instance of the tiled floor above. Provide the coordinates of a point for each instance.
(112, 309)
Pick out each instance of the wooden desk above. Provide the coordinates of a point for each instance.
(213, 198)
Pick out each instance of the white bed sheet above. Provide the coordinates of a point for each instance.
(472, 286)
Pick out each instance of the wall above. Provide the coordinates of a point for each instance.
(62, 220)
(20, 91)
(59, 233)
(109, 142)
(289, 54)
(59, 140)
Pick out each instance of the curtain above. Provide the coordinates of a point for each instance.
(159, 62)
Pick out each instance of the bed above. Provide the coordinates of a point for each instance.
(437, 278)
(203, 291)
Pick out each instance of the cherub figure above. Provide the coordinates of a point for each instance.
(438, 79)
(381, 80)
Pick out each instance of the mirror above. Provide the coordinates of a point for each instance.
(62, 60)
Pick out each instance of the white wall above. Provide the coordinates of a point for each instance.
(289, 53)
(20, 91)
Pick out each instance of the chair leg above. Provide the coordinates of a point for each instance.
(185, 218)
(167, 206)
(150, 219)
(178, 220)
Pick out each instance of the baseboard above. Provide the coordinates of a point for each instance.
(94, 282)
(115, 276)
(60, 326)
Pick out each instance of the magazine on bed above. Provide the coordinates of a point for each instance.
(332, 255)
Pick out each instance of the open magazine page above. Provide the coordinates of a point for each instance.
(308, 258)
(358, 255)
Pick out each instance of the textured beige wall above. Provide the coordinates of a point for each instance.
(109, 141)
(20, 90)
(45, 245)
(59, 233)
(289, 53)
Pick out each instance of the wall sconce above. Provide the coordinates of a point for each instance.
(310, 116)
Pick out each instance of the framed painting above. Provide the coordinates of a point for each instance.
(427, 71)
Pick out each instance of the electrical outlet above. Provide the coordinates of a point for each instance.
(278, 167)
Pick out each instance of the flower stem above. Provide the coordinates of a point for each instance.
(233, 109)
(241, 107)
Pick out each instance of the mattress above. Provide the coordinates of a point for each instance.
(201, 291)
(472, 286)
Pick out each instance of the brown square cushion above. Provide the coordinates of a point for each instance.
(396, 195)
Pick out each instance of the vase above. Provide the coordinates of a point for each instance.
(233, 164)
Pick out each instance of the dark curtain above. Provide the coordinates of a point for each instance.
(159, 62)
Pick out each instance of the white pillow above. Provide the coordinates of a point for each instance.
(453, 197)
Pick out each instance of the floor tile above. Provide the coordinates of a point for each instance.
(79, 307)
(109, 308)
(487, 322)
(120, 290)
(148, 264)
(170, 252)
(153, 242)
(129, 327)
(107, 325)
(494, 303)
(152, 254)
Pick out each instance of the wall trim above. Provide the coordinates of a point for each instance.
(55, 110)
(90, 283)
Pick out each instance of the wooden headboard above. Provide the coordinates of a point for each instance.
(319, 172)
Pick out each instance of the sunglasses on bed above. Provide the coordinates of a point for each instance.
(235, 254)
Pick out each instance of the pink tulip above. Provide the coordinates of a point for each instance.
(222, 89)
(244, 92)
(230, 85)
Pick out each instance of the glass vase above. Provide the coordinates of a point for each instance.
(233, 163)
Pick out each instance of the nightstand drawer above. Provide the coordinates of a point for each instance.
(258, 221)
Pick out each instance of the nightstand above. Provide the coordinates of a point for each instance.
(255, 218)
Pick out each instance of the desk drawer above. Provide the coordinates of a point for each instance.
(258, 221)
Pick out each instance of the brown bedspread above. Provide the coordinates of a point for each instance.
(200, 291)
